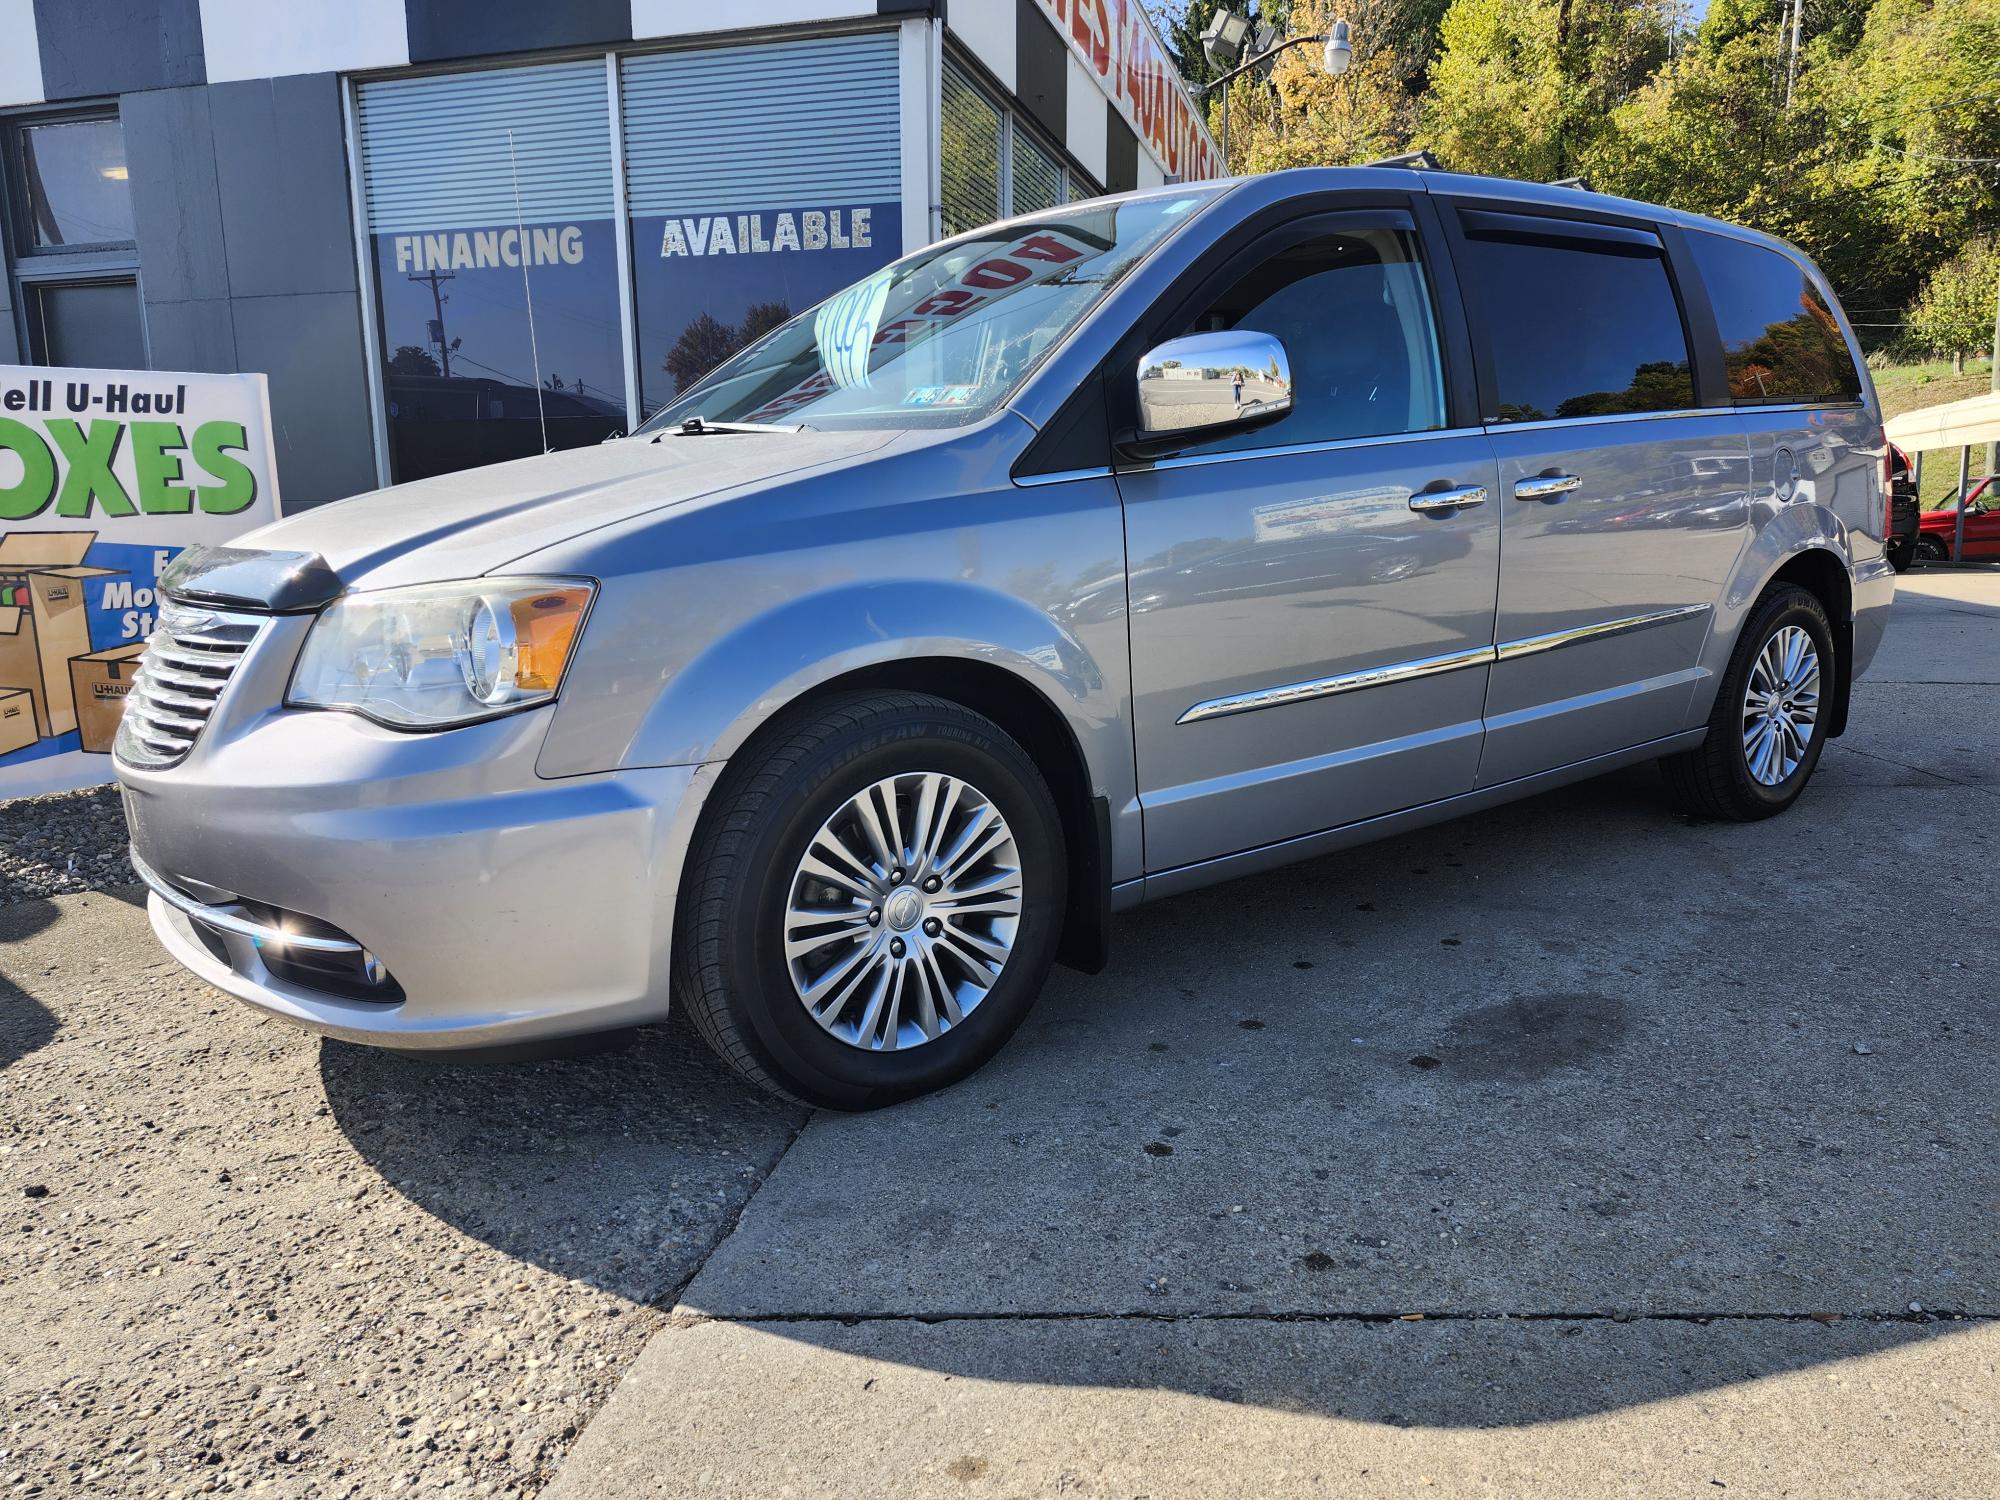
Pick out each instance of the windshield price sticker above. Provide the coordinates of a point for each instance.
(1034, 257)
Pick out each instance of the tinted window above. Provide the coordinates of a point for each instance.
(1354, 313)
(1579, 328)
(90, 325)
(75, 184)
(1780, 341)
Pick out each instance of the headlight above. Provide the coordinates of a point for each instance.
(442, 653)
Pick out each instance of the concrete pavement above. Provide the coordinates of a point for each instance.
(1573, 1149)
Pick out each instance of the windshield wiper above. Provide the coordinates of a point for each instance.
(697, 426)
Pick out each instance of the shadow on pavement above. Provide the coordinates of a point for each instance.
(615, 1169)
(25, 1023)
(1575, 1061)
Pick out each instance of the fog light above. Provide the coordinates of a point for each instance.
(371, 968)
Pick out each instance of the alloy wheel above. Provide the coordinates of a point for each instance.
(903, 911)
(1780, 705)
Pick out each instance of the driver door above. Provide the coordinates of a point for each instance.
(1312, 601)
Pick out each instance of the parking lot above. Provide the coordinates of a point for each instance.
(1574, 1148)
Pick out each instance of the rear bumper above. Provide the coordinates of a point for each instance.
(505, 908)
(1874, 592)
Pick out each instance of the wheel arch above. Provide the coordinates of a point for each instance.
(1821, 573)
(1001, 658)
(1033, 721)
(1802, 544)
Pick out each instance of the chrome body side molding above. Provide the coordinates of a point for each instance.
(1349, 682)
(1531, 645)
(1326, 687)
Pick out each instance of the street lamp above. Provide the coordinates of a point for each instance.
(1339, 50)
(1233, 44)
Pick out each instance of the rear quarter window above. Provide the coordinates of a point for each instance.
(1780, 339)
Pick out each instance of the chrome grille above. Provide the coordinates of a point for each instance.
(187, 663)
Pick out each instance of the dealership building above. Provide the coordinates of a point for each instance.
(457, 231)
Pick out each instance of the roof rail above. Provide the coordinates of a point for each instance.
(1581, 184)
(1416, 161)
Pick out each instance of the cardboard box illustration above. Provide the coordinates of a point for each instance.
(98, 684)
(17, 720)
(43, 622)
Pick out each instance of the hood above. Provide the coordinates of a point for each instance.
(465, 524)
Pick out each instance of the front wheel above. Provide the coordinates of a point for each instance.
(874, 901)
(1931, 550)
(1770, 719)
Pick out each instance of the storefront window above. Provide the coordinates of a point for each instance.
(1037, 178)
(970, 162)
(489, 201)
(761, 180)
(993, 165)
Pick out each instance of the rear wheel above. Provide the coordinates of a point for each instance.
(1902, 554)
(1770, 718)
(874, 901)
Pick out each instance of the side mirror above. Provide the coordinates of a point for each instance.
(1205, 385)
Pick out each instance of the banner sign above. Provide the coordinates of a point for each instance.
(1115, 39)
(104, 476)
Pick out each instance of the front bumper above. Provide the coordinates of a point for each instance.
(505, 907)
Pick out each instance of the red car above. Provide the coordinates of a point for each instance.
(1936, 528)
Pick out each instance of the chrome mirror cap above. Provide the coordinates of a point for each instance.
(1209, 383)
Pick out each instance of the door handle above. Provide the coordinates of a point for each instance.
(1546, 486)
(1461, 498)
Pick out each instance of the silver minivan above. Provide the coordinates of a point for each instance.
(1081, 560)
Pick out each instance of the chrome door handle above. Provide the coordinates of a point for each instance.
(1465, 496)
(1546, 486)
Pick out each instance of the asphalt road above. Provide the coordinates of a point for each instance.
(1573, 1149)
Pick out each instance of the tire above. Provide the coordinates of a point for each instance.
(1716, 779)
(1931, 550)
(1902, 554)
(734, 971)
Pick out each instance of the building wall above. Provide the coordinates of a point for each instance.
(246, 261)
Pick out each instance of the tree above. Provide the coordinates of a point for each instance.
(1880, 168)
(1525, 88)
(1304, 117)
(1953, 315)
(761, 319)
(1495, 90)
(703, 344)
(412, 359)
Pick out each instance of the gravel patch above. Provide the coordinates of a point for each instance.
(62, 843)
(239, 1259)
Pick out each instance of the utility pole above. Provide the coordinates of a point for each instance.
(1993, 374)
(435, 280)
(1792, 68)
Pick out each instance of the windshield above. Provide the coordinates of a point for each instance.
(943, 337)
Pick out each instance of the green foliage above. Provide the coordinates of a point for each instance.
(1954, 313)
(1524, 88)
(1304, 118)
(1882, 163)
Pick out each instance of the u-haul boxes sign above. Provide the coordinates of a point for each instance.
(104, 476)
